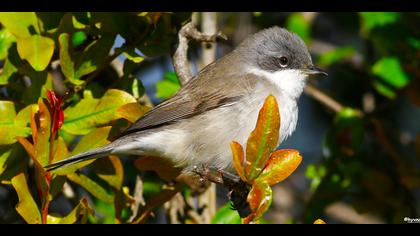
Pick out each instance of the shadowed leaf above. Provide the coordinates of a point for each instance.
(91, 186)
(263, 139)
(12, 125)
(162, 167)
(81, 211)
(111, 170)
(26, 207)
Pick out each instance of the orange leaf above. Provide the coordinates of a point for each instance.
(281, 164)
(263, 139)
(164, 168)
(259, 199)
(238, 159)
(319, 222)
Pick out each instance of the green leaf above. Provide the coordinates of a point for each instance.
(91, 112)
(91, 186)
(66, 62)
(282, 164)
(226, 215)
(346, 134)
(390, 71)
(299, 25)
(6, 40)
(26, 207)
(20, 24)
(371, 20)
(131, 54)
(96, 138)
(263, 139)
(336, 55)
(12, 125)
(82, 210)
(78, 38)
(167, 87)
(37, 50)
(8, 71)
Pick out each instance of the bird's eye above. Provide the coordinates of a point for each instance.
(283, 61)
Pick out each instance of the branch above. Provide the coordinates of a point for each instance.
(180, 59)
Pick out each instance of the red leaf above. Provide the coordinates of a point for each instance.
(57, 111)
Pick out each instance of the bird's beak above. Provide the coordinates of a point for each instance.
(312, 70)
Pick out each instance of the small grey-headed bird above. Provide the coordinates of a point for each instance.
(220, 104)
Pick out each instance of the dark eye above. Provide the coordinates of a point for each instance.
(283, 61)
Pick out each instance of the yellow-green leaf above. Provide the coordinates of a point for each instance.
(12, 125)
(91, 186)
(66, 62)
(26, 207)
(96, 138)
(82, 210)
(91, 112)
(42, 136)
(132, 111)
(319, 222)
(21, 24)
(282, 164)
(238, 159)
(37, 50)
(263, 139)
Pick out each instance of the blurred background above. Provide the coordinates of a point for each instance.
(358, 129)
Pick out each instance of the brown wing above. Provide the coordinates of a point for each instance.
(206, 91)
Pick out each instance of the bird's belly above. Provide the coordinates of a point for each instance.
(205, 139)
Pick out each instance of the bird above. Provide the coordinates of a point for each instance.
(219, 104)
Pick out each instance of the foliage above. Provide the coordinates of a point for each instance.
(262, 167)
(69, 52)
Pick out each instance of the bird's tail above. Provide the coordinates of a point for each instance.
(84, 156)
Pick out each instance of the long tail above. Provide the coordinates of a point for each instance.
(84, 156)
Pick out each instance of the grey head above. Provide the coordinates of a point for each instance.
(275, 49)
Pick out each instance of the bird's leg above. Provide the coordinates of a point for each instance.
(239, 189)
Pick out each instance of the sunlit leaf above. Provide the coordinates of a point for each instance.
(336, 55)
(259, 199)
(226, 215)
(81, 211)
(167, 87)
(162, 167)
(66, 62)
(91, 112)
(132, 55)
(371, 20)
(12, 125)
(8, 71)
(263, 139)
(282, 164)
(132, 111)
(37, 50)
(91, 186)
(238, 159)
(297, 23)
(319, 222)
(21, 24)
(96, 138)
(390, 72)
(6, 40)
(26, 207)
(42, 136)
